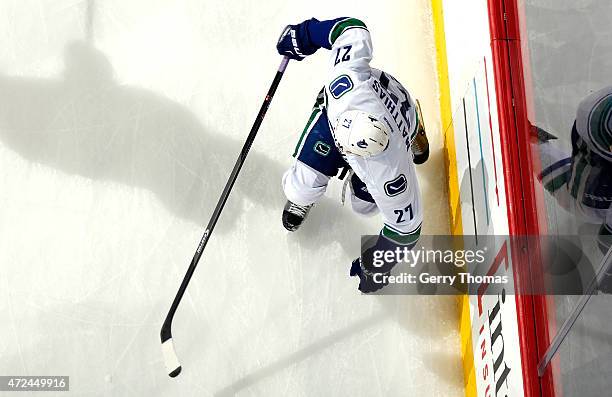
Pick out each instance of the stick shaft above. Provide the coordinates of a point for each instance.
(166, 332)
(604, 269)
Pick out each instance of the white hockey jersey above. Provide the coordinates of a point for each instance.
(352, 84)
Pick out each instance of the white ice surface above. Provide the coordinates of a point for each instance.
(118, 128)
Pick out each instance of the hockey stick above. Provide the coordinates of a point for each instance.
(604, 270)
(170, 357)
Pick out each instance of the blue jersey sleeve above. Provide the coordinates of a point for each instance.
(325, 33)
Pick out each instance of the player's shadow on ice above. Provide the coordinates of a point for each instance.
(85, 123)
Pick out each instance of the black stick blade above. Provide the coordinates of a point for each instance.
(175, 373)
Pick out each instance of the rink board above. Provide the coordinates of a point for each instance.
(473, 68)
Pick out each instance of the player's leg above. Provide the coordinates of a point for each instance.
(554, 177)
(557, 168)
(361, 200)
(303, 186)
(317, 160)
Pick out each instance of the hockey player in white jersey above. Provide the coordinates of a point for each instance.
(363, 120)
(582, 183)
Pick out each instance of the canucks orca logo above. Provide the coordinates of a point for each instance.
(340, 86)
(322, 148)
(362, 144)
(396, 186)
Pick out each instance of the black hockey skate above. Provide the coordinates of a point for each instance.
(420, 144)
(294, 215)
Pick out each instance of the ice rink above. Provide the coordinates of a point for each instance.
(119, 124)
